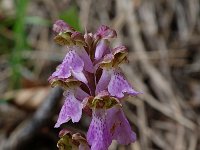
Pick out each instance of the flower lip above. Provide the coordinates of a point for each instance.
(71, 109)
(119, 126)
(118, 85)
(72, 65)
(98, 135)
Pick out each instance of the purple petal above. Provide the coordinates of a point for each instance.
(119, 126)
(103, 81)
(80, 94)
(101, 49)
(74, 62)
(98, 135)
(71, 65)
(62, 72)
(61, 26)
(105, 32)
(72, 109)
(88, 66)
(119, 85)
(80, 76)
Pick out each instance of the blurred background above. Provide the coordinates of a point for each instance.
(163, 38)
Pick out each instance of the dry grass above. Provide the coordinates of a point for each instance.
(164, 63)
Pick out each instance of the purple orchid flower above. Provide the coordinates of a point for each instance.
(72, 107)
(108, 125)
(119, 126)
(98, 134)
(93, 82)
(72, 65)
(115, 82)
(75, 62)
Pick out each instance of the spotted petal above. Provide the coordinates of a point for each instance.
(72, 109)
(118, 85)
(98, 135)
(71, 65)
(119, 126)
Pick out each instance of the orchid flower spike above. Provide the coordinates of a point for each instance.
(94, 84)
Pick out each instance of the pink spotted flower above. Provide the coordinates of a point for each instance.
(94, 84)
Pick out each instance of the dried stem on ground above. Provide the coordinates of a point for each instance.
(28, 128)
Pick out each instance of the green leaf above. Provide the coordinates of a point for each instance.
(20, 42)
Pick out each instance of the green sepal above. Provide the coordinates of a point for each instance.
(102, 101)
(66, 84)
(64, 38)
